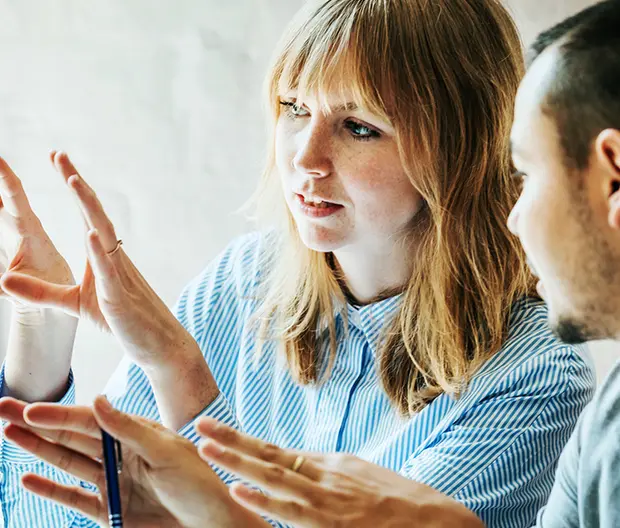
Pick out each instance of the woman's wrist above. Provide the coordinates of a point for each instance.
(39, 353)
(183, 385)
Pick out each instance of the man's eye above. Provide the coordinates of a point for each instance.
(293, 109)
(520, 178)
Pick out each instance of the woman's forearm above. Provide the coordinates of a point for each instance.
(183, 384)
(39, 352)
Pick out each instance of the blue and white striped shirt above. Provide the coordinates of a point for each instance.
(494, 449)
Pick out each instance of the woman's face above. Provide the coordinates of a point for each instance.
(342, 176)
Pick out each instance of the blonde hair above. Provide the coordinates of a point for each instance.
(445, 73)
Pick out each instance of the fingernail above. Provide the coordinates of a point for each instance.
(213, 448)
(104, 403)
(209, 425)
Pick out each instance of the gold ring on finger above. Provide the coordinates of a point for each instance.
(115, 250)
(298, 463)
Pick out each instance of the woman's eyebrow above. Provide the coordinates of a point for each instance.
(344, 107)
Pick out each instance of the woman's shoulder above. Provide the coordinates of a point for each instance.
(532, 351)
(240, 265)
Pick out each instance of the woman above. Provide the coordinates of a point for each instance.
(387, 314)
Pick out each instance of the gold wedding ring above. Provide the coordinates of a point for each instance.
(115, 250)
(298, 463)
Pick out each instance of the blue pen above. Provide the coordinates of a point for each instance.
(112, 459)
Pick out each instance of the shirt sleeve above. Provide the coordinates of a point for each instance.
(213, 297)
(498, 457)
(586, 491)
(20, 508)
(561, 510)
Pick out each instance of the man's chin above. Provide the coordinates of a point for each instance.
(540, 288)
(572, 332)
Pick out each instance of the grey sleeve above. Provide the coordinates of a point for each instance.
(586, 493)
(561, 510)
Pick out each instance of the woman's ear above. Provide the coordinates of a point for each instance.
(607, 148)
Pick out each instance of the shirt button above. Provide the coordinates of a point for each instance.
(356, 319)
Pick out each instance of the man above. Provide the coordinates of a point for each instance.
(566, 147)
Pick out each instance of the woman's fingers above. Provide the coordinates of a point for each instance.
(12, 410)
(42, 293)
(14, 199)
(287, 511)
(76, 464)
(63, 164)
(108, 282)
(71, 496)
(269, 476)
(93, 211)
(78, 419)
(253, 447)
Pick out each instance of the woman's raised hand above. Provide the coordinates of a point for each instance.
(116, 296)
(112, 293)
(25, 247)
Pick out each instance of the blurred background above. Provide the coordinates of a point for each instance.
(158, 103)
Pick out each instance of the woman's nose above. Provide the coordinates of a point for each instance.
(313, 154)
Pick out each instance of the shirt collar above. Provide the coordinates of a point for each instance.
(372, 319)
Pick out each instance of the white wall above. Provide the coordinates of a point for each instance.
(159, 104)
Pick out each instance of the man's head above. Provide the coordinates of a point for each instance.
(566, 146)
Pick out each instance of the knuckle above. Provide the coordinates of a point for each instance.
(274, 473)
(317, 501)
(296, 510)
(228, 435)
(64, 462)
(269, 452)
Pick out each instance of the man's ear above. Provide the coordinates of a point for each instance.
(607, 152)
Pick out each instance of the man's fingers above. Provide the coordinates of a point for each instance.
(73, 497)
(14, 198)
(269, 476)
(256, 448)
(152, 442)
(42, 293)
(76, 464)
(287, 511)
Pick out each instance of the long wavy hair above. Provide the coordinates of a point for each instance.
(445, 73)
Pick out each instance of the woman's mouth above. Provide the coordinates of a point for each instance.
(316, 207)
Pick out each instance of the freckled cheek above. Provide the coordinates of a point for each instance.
(384, 203)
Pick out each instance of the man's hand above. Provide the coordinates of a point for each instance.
(326, 490)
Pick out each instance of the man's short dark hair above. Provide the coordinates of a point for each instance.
(584, 94)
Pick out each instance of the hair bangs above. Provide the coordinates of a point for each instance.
(331, 58)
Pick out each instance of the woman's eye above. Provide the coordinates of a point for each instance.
(293, 109)
(361, 132)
